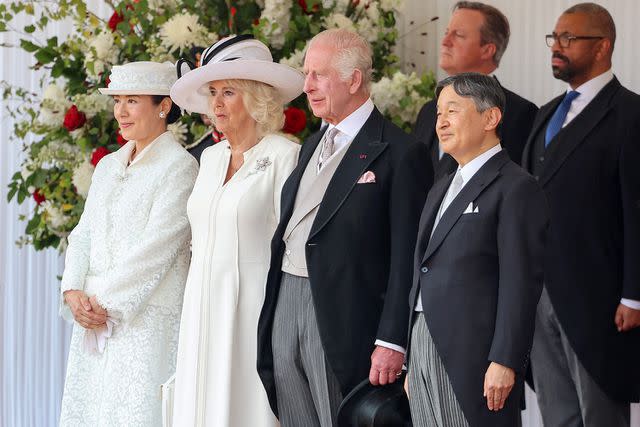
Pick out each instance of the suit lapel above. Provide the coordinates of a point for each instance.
(483, 178)
(542, 118)
(572, 135)
(364, 149)
(428, 217)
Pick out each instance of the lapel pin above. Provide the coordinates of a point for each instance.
(363, 156)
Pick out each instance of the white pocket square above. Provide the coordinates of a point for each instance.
(470, 209)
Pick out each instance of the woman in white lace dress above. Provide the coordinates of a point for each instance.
(127, 261)
(234, 210)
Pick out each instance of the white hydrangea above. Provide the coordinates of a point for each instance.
(389, 94)
(338, 20)
(81, 177)
(54, 215)
(388, 5)
(182, 31)
(57, 153)
(179, 131)
(339, 6)
(368, 29)
(373, 13)
(277, 14)
(93, 103)
(162, 5)
(102, 53)
(54, 106)
(296, 60)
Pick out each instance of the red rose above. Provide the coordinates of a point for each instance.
(98, 154)
(120, 139)
(115, 19)
(294, 120)
(107, 82)
(303, 5)
(74, 119)
(38, 197)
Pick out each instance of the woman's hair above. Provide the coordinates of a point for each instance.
(262, 102)
(174, 113)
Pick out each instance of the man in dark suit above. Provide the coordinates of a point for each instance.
(476, 37)
(478, 269)
(335, 303)
(584, 149)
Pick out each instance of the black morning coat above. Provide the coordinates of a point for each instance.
(590, 174)
(359, 251)
(480, 275)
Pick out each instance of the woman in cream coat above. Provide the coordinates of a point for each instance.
(234, 210)
(127, 261)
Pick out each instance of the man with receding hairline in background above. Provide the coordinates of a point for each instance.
(584, 150)
(476, 37)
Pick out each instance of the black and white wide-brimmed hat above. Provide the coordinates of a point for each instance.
(236, 57)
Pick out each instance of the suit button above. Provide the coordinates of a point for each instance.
(286, 263)
(542, 158)
(288, 252)
(537, 178)
(424, 269)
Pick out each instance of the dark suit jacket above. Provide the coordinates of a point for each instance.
(483, 280)
(205, 142)
(516, 124)
(591, 177)
(358, 252)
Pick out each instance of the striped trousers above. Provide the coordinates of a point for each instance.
(431, 398)
(308, 392)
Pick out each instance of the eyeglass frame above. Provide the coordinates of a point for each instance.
(569, 38)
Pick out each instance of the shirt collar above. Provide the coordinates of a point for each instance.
(352, 124)
(590, 89)
(469, 170)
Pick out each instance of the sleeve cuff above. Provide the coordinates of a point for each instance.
(631, 303)
(390, 346)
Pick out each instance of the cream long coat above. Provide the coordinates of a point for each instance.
(131, 250)
(216, 379)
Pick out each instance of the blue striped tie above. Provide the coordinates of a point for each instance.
(555, 124)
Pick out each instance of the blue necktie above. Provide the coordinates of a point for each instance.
(555, 124)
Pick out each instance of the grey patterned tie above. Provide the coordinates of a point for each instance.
(327, 146)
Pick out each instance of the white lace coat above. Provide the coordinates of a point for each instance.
(131, 250)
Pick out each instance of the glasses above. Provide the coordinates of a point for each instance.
(565, 39)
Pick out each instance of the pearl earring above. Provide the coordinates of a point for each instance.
(162, 114)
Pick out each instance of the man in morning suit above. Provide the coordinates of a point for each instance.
(335, 303)
(476, 37)
(478, 269)
(584, 149)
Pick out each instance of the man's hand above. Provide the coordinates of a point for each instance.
(386, 364)
(498, 383)
(626, 318)
(82, 311)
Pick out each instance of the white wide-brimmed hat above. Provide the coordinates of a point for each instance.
(141, 78)
(235, 57)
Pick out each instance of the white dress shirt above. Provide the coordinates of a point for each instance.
(588, 91)
(467, 172)
(349, 128)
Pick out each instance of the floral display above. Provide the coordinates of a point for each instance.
(68, 127)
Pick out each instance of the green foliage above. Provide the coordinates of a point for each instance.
(57, 169)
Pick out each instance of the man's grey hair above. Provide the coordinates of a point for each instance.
(495, 28)
(353, 53)
(599, 19)
(484, 91)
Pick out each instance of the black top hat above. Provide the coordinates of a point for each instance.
(368, 405)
